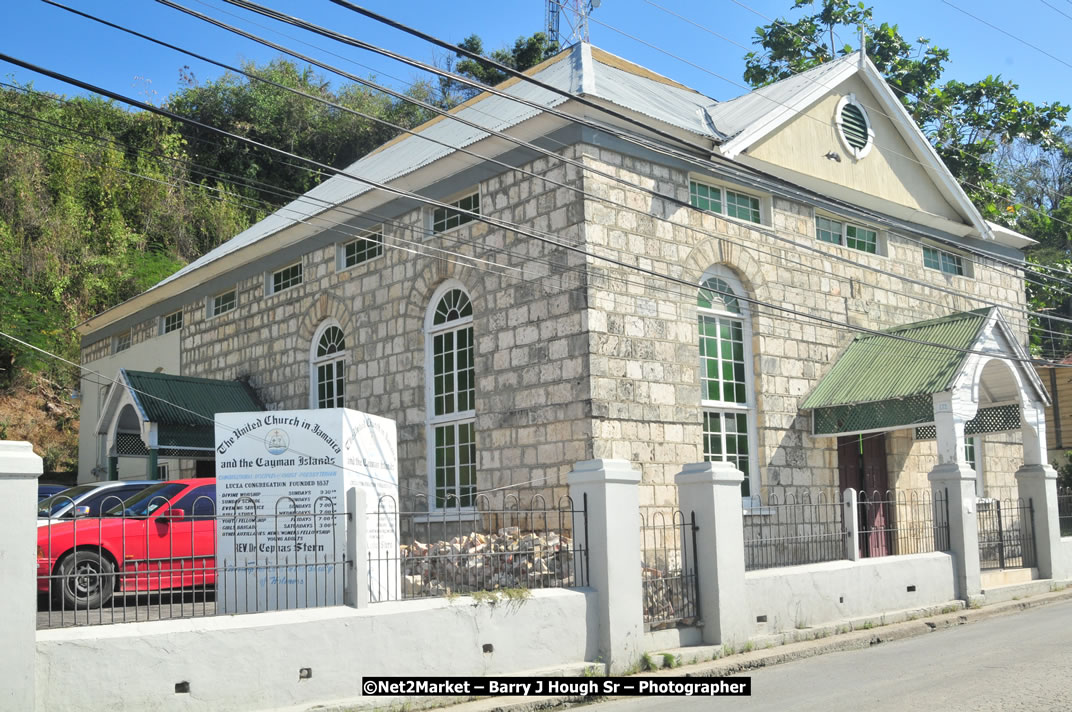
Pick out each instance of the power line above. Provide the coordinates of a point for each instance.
(1008, 34)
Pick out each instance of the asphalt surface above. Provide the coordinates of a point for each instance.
(1002, 664)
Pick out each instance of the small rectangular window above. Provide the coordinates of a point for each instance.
(943, 261)
(444, 219)
(705, 197)
(860, 238)
(223, 303)
(741, 206)
(172, 322)
(286, 278)
(363, 249)
(828, 230)
(122, 342)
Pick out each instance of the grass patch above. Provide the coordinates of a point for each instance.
(671, 661)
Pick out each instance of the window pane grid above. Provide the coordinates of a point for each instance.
(828, 230)
(722, 366)
(725, 438)
(705, 197)
(173, 322)
(122, 341)
(225, 302)
(286, 278)
(455, 465)
(363, 249)
(744, 207)
(859, 238)
(444, 219)
(942, 261)
(330, 385)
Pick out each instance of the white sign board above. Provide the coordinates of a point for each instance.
(281, 481)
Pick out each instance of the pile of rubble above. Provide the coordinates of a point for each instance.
(486, 562)
(668, 598)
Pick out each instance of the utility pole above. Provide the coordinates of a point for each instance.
(575, 13)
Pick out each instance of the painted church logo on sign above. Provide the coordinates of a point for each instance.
(277, 442)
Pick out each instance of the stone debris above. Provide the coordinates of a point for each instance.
(486, 562)
(667, 598)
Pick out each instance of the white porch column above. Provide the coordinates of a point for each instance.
(1037, 481)
(612, 541)
(953, 475)
(19, 470)
(712, 490)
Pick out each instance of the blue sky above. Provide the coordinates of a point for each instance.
(45, 35)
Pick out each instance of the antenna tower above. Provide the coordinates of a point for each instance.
(575, 15)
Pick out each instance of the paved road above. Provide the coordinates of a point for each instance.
(1016, 662)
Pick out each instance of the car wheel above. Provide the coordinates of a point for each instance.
(86, 580)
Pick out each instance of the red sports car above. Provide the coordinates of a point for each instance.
(164, 537)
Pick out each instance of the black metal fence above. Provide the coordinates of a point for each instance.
(1064, 511)
(793, 527)
(668, 569)
(165, 563)
(914, 521)
(488, 547)
(1006, 534)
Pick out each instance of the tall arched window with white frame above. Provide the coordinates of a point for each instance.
(726, 382)
(451, 399)
(327, 367)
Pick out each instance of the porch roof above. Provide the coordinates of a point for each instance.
(183, 408)
(901, 363)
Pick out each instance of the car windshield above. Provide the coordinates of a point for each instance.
(147, 501)
(50, 505)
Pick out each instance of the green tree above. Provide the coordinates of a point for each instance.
(526, 53)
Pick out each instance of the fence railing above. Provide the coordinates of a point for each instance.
(793, 527)
(668, 569)
(914, 521)
(165, 563)
(1064, 511)
(490, 546)
(1006, 534)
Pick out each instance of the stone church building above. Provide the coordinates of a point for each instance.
(606, 264)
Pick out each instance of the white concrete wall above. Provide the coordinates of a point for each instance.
(252, 662)
(159, 352)
(803, 596)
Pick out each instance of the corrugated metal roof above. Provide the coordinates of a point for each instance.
(877, 367)
(188, 402)
(733, 116)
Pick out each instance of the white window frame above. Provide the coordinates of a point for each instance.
(366, 236)
(432, 421)
(455, 202)
(857, 153)
(269, 283)
(965, 264)
(210, 304)
(123, 341)
(339, 357)
(163, 322)
(722, 187)
(162, 471)
(881, 238)
(749, 406)
(976, 442)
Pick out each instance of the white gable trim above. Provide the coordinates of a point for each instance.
(890, 105)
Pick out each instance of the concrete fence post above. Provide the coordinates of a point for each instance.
(1039, 484)
(356, 592)
(958, 481)
(19, 470)
(850, 515)
(612, 540)
(712, 490)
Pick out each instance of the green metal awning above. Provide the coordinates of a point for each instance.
(183, 408)
(886, 380)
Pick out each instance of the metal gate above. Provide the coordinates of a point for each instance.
(1006, 534)
(668, 570)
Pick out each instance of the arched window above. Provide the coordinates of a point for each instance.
(451, 406)
(327, 367)
(726, 390)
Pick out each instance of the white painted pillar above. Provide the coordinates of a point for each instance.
(953, 476)
(850, 517)
(612, 540)
(1037, 481)
(356, 588)
(712, 490)
(19, 470)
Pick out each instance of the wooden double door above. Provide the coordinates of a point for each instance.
(862, 467)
